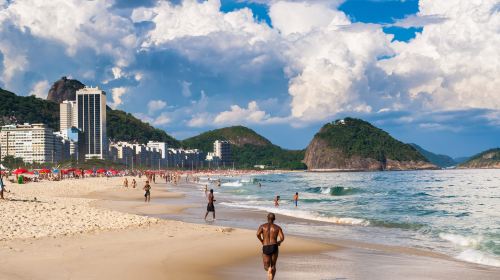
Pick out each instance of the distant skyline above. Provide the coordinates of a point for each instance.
(428, 72)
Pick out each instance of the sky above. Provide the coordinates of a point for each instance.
(427, 71)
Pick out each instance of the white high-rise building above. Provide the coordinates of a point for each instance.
(160, 146)
(32, 143)
(68, 116)
(91, 119)
(222, 150)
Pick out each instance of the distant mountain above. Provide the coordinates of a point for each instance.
(356, 145)
(64, 89)
(459, 160)
(248, 148)
(439, 160)
(121, 126)
(486, 159)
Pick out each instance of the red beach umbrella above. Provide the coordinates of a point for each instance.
(78, 172)
(44, 170)
(101, 170)
(71, 169)
(88, 171)
(20, 171)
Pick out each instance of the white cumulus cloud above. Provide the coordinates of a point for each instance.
(40, 89)
(116, 96)
(156, 105)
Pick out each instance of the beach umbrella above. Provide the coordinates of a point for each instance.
(88, 171)
(71, 169)
(20, 171)
(44, 170)
(64, 171)
(101, 170)
(78, 172)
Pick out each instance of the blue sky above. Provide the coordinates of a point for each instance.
(425, 71)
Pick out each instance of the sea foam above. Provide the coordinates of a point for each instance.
(475, 256)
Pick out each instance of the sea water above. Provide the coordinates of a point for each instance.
(456, 212)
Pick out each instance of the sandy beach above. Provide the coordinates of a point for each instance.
(96, 229)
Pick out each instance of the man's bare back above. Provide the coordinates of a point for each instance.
(271, 236)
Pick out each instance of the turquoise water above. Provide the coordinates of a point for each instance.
(456, 212)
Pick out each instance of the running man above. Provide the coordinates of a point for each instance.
(268, 235)
(147, 195)
(210, 206)
(296, 199)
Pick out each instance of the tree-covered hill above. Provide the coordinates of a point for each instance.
(121, 126)
(439, 160)
(248, 148)
(354, 144)
(486, 159)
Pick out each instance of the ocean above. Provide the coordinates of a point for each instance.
(455, 212)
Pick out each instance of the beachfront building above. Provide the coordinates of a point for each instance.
(162, 148)
(122, 152)
(222, 150)
(181, 158)
(91, 120)
(67, 115)
(34, 143)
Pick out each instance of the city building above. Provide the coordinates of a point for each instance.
(222, 150)
(67, 116)
(160, 146)
(91, 120)
(33, 143)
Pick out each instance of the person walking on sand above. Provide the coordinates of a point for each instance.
(268, 234)
(125, 183)
(210, 206)
(2, 187)
(134, 183)
(147, 189)
(277, 201)
(296, 199)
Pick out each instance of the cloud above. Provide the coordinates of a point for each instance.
(250, 115)
(418, 21)
(186, 90)
(116, 95)
(453, 64)
(162, 119)
(156, 105)
(40, 89)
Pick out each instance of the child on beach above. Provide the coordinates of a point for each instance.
(147, 195)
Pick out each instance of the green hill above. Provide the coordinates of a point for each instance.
(354, 144)
(248, 148)
(121, 126)
(486, 159)
(439, 160)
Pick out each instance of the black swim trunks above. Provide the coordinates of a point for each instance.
(147, 194)
(270, 249)
(210, 207)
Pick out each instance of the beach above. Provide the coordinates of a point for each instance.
(96, 229)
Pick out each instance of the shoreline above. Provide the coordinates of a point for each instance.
(237, 250)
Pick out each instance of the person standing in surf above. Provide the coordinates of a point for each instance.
(296, 199)
(268, 234)
(210, 206)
